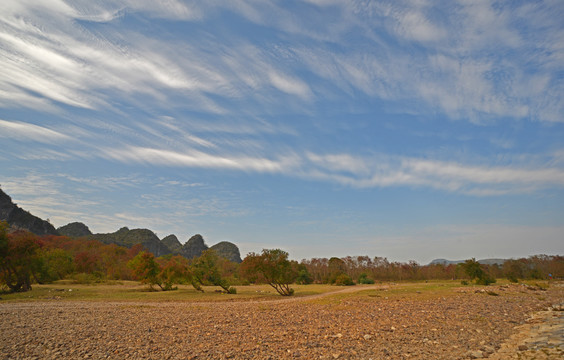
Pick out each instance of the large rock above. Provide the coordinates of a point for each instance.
(228, 250)
(194, 247)
(19, 219)
(74, 229)
(172, 243)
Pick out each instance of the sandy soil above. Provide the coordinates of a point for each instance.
(464, 324)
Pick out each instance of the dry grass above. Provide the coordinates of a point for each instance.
(133, 291)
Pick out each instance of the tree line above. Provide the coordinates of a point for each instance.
(26, 259)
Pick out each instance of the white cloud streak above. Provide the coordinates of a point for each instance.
(199, 159)
(24, 131)
(467, 76)
(363, 172)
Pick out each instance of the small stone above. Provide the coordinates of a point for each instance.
(488, 350)
(476, 354)
(523, 347)
(367, 337)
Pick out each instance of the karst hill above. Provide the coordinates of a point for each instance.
(19, 219)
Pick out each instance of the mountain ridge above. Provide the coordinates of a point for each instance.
(20, 219)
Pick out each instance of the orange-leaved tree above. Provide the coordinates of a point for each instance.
(19, 259)
(273, 267)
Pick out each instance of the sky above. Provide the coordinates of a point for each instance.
(411, 130)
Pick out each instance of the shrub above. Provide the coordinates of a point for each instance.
(364, 279)
(344, 280)
(304, 278)
(485, 279)
(84, 278)
(476, 272)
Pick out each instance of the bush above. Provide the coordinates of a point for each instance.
(87, 279)
(364, 279)
(464, 282)
(344, 280)
(232, 290)
(304, 278)
(477, 272)
(485, 279)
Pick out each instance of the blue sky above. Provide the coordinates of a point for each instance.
(405, 129)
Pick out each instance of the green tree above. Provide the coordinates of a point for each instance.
(364, 279)
(206, 270)
(274, 268)
(55, 264)
(304, 277)
(474, 270)
(163, 272)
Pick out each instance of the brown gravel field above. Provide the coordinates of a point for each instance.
(462, 323)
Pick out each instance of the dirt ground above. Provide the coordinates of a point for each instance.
(511, 321)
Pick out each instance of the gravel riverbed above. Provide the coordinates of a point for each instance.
(468, 323)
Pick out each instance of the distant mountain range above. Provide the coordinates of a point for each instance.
(19, 219)
(483, 261)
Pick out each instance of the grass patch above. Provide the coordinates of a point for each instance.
(134, 291)
(393, 291)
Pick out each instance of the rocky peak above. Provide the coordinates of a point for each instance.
(171, 242)
(74, 229)
(228, 250)
(194, 247)
(19, 219)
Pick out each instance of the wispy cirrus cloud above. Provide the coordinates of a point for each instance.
(477, 180)
(198, 159)
(25, 131)
(447, 62)
(364, 171)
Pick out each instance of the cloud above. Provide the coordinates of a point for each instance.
(415, 25)
(29, 132)
(469, 60)
(450, 176)
(198, 159)
(363, 171)
(290, 85)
